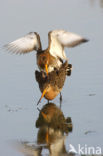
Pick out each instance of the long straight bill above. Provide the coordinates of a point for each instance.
(46, 69)
(44, 92)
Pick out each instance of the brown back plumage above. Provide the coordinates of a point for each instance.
(55, 78)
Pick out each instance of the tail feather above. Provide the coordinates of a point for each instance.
(69, 69)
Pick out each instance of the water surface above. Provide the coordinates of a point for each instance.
(82, 92)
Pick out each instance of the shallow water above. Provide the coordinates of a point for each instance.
(82, 92)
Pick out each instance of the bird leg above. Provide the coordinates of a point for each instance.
(60, 99)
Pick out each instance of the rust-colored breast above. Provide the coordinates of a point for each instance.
(51, 93)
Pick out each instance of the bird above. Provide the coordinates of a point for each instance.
(52, 116)
(51, 85)
(53, 127)
(52, 130)
(54, 55)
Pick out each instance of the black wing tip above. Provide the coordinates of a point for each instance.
(85, 40)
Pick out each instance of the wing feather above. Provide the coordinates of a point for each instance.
(58, 39)
(25, 44)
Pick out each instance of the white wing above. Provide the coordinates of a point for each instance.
(58, 39)
(25, 44)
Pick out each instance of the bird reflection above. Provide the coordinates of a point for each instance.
(53, 128)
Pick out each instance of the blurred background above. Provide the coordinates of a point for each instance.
(82, 92)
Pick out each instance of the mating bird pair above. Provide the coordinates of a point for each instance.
(49, 60)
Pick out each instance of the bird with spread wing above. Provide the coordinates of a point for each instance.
(53, 56)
